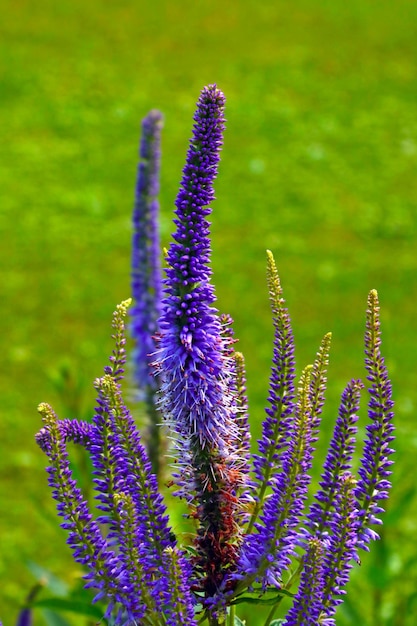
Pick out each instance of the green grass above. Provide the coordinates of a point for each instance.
(318, 165)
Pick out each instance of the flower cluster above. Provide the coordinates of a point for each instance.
(254, 536)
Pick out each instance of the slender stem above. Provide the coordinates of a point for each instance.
(155, 444)
(287, 587)
(271, 615)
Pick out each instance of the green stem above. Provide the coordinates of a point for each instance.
(271, 615)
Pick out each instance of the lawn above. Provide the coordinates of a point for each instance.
(319, 165)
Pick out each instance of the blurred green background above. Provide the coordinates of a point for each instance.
(319, 165)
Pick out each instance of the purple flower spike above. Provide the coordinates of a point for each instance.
(76, 431)
(308, 601)
(340, 548)
(319, 380)
(190, 353)
(146, 269)
(85, 539)
(373, 485)
(119, 459)
(339, 459)
(277, 426)
(177, 597)
(267, 552)
(198, 388)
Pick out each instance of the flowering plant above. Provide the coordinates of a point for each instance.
(256, 539)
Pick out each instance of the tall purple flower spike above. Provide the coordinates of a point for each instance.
(198, 373)
(147, 281)
(146, 267)
(308, 603)
(373, 485)
(338, 460)
(267, 551)
(190, 351)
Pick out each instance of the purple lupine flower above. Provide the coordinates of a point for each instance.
(341, 546)
(119, 459)
(277, 426)
(85, 539)
(195, 367)
(373, 485)
(190, 350)
(146, 269)
(338, 460)
(267, 552)
(308, 602)
(176, 574)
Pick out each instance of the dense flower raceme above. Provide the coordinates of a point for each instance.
(146, 270)
(147, 281)
(253, 534)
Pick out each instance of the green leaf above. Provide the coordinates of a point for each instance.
(51, 582)
(278, 595)
(256, 599)
(277, 622)
(54, 619)
(238, 622)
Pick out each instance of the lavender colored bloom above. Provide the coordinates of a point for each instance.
(278, 425)
(373, 485)
(267, 551)
(176, 571)
(131, 505)
(307, 605)
(147, 280)
(194, 362)
(341, 547)
(85, 539)
(120, 462)
(190, 352)
(146, 270)
(338, 460)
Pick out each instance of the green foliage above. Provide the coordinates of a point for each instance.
(323, 138)
(55, 603)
